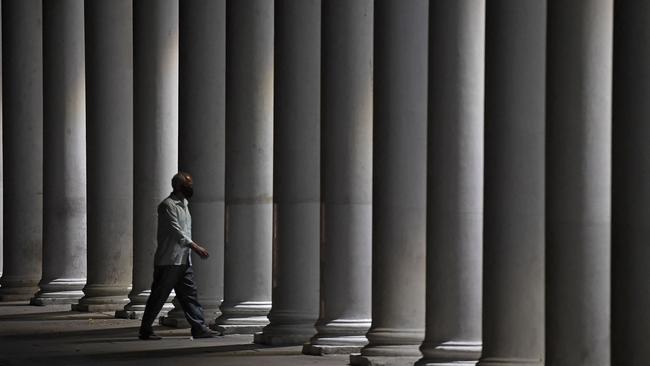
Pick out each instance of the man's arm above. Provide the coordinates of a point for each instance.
(201, 251)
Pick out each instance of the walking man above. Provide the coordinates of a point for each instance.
(173, 261)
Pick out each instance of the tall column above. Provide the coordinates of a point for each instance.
(296, 173)
(64, 171)
(109, 105)
(579, 75)
(455, 183)
(249, 166)
(202, 145)
(513, 277)
(346, 117)
(631, 179)
(155, 93)
(1, 160)
(399, 191)
(23, 148)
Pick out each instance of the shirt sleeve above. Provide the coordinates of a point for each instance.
(172, 218)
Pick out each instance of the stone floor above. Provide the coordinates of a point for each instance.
(54, 335)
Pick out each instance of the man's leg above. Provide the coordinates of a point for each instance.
(187, 297)
(164, 280)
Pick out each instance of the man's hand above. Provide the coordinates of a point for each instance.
(200, 250)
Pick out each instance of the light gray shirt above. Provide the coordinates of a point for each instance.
(174, 232)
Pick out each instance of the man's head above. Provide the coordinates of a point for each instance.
(182, 184)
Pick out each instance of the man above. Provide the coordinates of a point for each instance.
(173, 261)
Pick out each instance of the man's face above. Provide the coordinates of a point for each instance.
(187, 187)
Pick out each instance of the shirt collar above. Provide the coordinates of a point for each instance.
(177, 200)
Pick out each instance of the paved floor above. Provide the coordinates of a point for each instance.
(53, 335)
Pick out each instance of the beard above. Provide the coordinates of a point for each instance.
(188, 192)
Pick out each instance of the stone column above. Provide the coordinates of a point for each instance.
(631, 179)
(249, 167)
(23, 148)
(513, 277)
(455, 183)
(1, 161)
(296, 173)
(346, 245)
(155, 93)
(64, 171)
(578, 252)
(109, 105)
(202, 147)
(399, 191)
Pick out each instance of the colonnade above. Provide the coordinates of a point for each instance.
(428, 182)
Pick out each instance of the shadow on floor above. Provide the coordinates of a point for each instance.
(150, 355)
(73, 339)
(62, 334)
(206, 348)
(56, 315)
(14, 304)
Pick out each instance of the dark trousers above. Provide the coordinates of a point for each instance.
(181, 279)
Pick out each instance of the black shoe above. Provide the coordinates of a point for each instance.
(149, 337)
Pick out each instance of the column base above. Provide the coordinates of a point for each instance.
(340, 336)
(102, 306)
(175, 318)
(450, 353)
(394, 342)
(284, 335)
(390, 347)
(243, 318)
(287, 328)
(133, 311)
(17, 289)
(226, 329)
(59, 291)
(280, 340)
(495, 361)
(138, 301)
(313, 349)
(18, 296)
(102, 298)
(55, 298)
(423, 362)
(392, 351)
(211, 310)
(361, 360)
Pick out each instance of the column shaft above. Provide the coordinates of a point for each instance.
(578, 182)
(23, 148)
(1, 162)
(399, 191)
(346, 246)
(455, 183)
(513, 283)
(296, 173)
(631, 179)
(249, 166)
(64, 171)
(202, 146)
(109, 105)
(155, 88)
